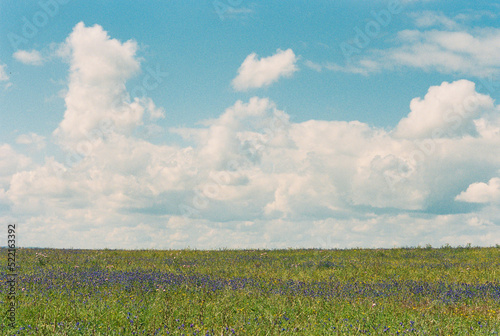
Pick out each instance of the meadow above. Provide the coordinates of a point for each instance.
(400, 291)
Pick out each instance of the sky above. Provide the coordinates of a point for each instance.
(250, 124)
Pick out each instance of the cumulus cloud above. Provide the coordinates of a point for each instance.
(446, 110)
(96, 100)
(251, 174)
(32, 57)
(256, 73)
(31, 139)
(323, 168)
(10, 163)
(250, 177)
(482, 192)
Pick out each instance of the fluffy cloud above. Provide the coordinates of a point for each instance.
(96, 101)
(255, 73)
(250, 177)
(446, 110)
(251, 174)
(10, 163)
(482, 192)
(32, 57)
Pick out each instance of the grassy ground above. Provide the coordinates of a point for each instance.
(421, 291)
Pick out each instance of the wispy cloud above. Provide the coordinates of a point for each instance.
(364, 67)
(472, 53)
(257, 73)
(467, 53)
(428, 19)
(3, 73)
(239, 11)
(33, 57)
(4, 77)
(31, 139)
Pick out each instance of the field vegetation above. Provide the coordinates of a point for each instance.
(417, 291)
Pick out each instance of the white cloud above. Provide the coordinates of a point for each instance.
(415, 1)
(458, 52)
(446, 110)
(233, 12)
(365, 166)
(428, 19)
(482, 192)
(242, 126)
(250, 177)
(313, 65)
(253, 178)
(255, 73)
(364, 67)
(31, 139)
(470, 53)
(257, 178)
(96, 100)
(4, 77)
(154, 111)
(10, 163)
(32, 57)
(3, 73)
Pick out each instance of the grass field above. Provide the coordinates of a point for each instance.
(421, 291)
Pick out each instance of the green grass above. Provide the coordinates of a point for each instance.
(419, 291)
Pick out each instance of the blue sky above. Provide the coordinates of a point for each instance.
(223, 124)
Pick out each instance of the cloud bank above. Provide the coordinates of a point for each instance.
(251, 177)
